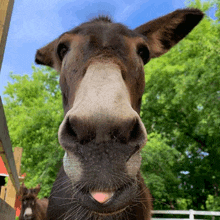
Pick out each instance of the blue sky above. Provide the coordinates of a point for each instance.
(37, 22)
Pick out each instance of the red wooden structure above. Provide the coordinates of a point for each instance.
(4, 173)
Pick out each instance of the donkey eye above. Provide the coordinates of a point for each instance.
(143, 52)
(62, 49)
(25, 202)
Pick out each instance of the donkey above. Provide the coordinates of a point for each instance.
(32, 208)
(102, 82)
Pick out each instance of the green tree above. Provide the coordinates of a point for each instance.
(182, 103)
(34, 112)
(180, 110)
(217, 14)
(158, 159)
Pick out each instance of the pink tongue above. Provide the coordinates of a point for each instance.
(101, 197)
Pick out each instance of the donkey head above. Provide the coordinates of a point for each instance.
(102, 82)
(29, 198)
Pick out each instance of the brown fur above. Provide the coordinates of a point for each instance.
(102, 133)
(29, 199)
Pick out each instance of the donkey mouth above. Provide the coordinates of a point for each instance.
(107, 202)
(28, 217)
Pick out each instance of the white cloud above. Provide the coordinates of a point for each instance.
(36, 20)
(39, 19)
(129, 9)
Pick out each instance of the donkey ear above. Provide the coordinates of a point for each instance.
(22, 190)
(46, 55)
(37, 189)
(166, 31)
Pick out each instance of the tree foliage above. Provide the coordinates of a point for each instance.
(34, 112)
(158, 159)
(180, 109)
(182, 103)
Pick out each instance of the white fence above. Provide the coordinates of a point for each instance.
(191, 214)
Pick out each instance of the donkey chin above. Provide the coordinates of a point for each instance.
(104, 177)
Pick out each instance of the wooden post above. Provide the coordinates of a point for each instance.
(6, 7)
(6, 149)
(11, 192)
(3, 192)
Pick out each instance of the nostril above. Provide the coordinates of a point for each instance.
(70, 129)
(136, 131)
(73, 130)
(131, 131)
(137, 137)
(67, 134)
(123, 133)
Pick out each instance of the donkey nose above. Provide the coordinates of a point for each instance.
(83, 130)
(28, 213)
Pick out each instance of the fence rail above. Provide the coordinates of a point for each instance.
(6, 149)
(7, 200)
(6, 7)
(190, 212)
